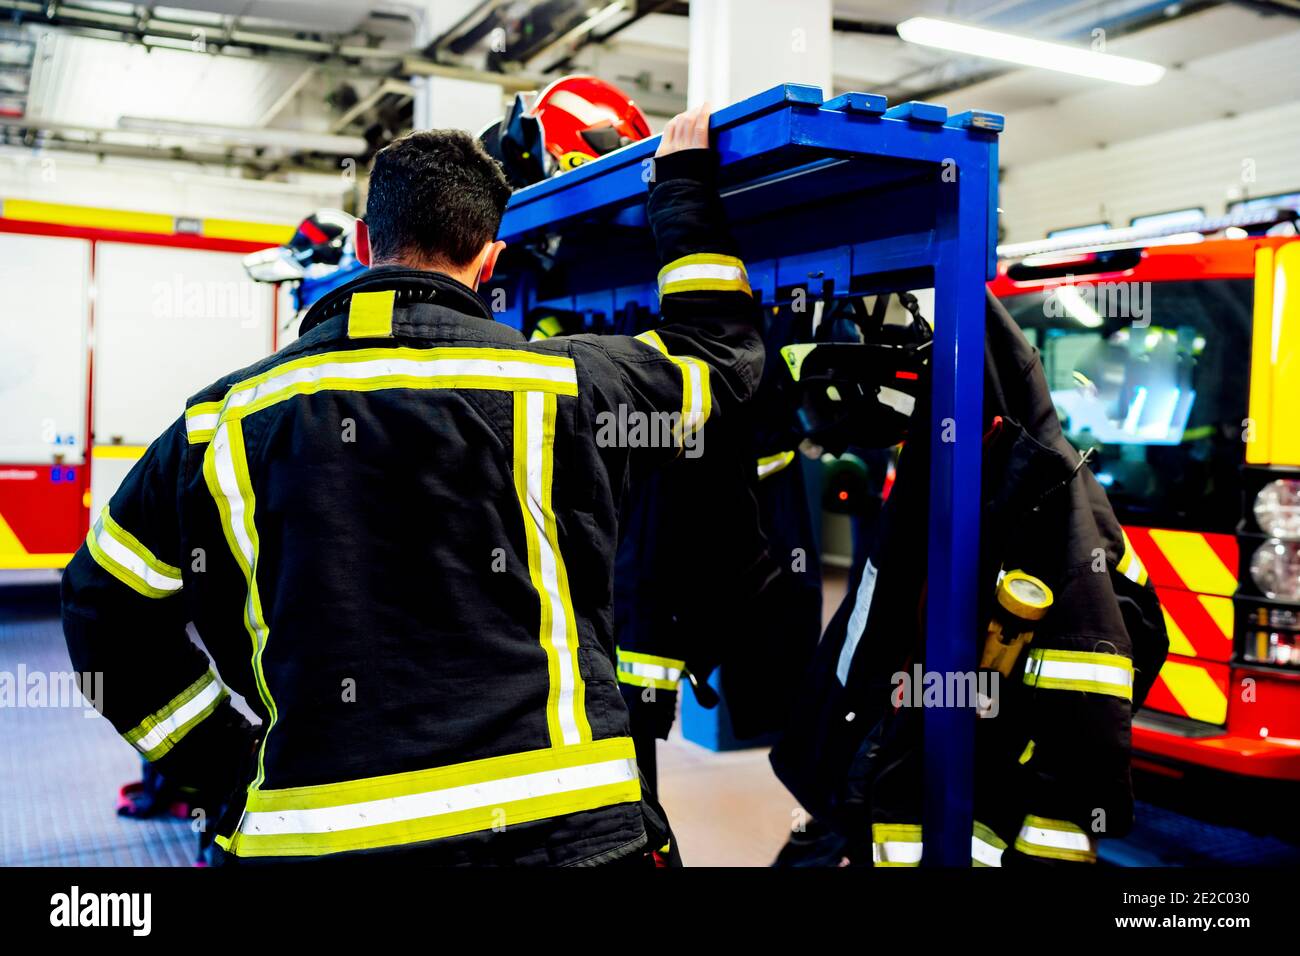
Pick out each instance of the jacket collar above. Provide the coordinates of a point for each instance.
(429, 299)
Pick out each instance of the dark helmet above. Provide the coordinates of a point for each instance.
(862, 393)
(322, 239)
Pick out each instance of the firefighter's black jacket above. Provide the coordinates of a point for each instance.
(1052, 767)
(395, 538)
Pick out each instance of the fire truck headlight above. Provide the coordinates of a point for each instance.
(1275, 569)
(1277, 508)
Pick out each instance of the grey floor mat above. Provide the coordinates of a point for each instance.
(60, 771)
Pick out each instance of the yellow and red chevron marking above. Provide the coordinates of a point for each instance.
(1195, 576)
(1199, 625)
(1191, 688)
(1188, 560)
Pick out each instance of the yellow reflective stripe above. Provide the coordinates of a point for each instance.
(122, 555)
(365, 370)
(896, 844)
(770, 464)
(649, 670)
(986, 847)
(704, 272)
(1055, 840)
(1263, 342)
(164, 728)
(697, 394)
(374, 369)
(899, 844)
(225, 469)
(534, 454)
(119, 452)
(492, 793)
(1027, 754)
(547, 327)
(1282, 439)
(200, 421)
(542, 360)
(1085, 671)
(370, 315)
(264, 232)
(636, 657)
(89, 216)
(638, 680)
(578, 701)
(1130, 565)
(652, 339)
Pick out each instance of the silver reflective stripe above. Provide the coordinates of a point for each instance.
(170, 725)
(1073, 670)
(695, 414)
(518, 369)
(1083, 671)
(709, 271)
(702, 271)
(653, 671)
(857, 622)
(900, 402)
(228, 482)
(696, 397)
(536, 460)
(435, 803)
(1055, 839)
(985, 853)
(897, 852)
(195, 424)
(124, 553)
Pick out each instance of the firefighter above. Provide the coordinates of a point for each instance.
(395, 538)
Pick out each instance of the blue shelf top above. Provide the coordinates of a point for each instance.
(780, 129)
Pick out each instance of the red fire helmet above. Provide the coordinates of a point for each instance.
(584, 117)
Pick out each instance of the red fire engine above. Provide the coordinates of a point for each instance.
(111, 320)
(1175, 358)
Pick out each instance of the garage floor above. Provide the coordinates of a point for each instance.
(60, 770)
(59, 774)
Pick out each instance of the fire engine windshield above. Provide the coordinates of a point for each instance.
(1153, 377)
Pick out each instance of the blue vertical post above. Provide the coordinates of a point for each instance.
(956, 433)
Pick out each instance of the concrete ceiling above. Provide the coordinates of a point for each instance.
(1229, 58)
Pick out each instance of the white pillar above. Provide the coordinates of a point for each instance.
(445, 103)
(742, 47)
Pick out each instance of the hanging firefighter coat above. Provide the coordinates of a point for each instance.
(395, 537)
(737, 518)
(1052, 767)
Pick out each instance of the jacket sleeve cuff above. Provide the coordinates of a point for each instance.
(700, 165)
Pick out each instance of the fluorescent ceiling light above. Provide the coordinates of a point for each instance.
(997, 45)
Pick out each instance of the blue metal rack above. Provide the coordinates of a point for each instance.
(831, 197)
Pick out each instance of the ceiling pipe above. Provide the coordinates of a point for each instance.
(247, 136)
(387, 61)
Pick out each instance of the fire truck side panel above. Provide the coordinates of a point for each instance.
(1209, 709)
(167, 322)
(43, 356)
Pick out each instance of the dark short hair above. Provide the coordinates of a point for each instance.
(435, 196)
